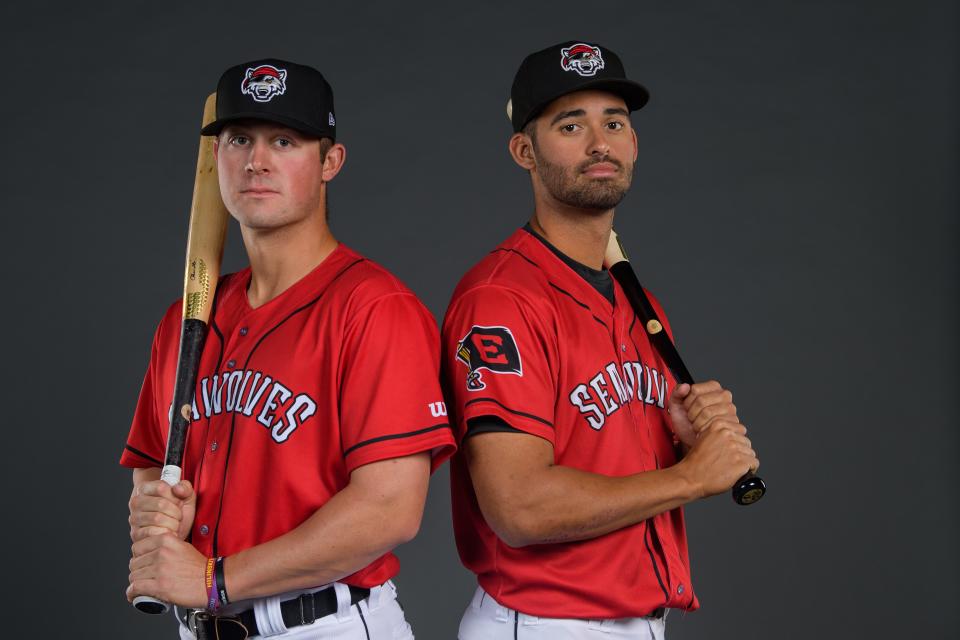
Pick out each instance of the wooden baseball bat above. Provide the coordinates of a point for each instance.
(750, 487)
(208, 229)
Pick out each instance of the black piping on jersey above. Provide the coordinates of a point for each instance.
(143, 455)
(567, 293)
(659, 547)
(601, 280)
(505, 408)
(394, 436)
(366, 630)
(233, 417)
(561, 290)
(653, 561)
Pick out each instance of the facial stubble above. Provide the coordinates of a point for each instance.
(573, 187)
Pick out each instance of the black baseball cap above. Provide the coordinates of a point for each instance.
(287, 93)
(564, 68)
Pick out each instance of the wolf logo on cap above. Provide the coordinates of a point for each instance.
(264, 82)
(582, 58)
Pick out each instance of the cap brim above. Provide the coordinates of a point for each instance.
(215, 127)
(633, 93)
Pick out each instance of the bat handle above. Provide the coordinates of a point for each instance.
(170, 474)
(748, 489)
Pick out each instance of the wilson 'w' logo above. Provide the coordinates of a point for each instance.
(438, 409)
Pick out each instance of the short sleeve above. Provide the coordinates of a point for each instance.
(500, 359)
(146, 444)
(390, 399)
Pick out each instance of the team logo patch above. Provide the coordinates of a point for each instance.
(582, 58)
(263, 83)
(490, 348)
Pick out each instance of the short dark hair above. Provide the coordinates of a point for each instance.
(530, 130)
(325, 145)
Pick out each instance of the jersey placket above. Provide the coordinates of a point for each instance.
(632, 339)
(219, 436)
(625, 348)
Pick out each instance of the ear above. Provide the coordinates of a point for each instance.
(521, 150)
(332, 164)
(216, 146)
(633, 134)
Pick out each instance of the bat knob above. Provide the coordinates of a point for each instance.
(146, 604)
(748, 489)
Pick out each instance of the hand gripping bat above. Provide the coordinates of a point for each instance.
(208, 228)
(750, 487)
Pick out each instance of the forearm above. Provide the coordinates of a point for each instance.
(354, 528)
(562, 504)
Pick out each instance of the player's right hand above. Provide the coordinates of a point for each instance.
(719, 457)
(157, 508)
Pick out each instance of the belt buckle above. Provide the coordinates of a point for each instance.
(192, 616)
(196, 617)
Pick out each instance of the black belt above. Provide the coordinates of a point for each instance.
(301, 610)
(659, 612)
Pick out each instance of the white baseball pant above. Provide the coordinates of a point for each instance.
(486, 619)
(378, 617)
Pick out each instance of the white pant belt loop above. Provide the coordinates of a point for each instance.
(343, 601)
(373, 600)
(269, 617)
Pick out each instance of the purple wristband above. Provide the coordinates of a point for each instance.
(213, 595)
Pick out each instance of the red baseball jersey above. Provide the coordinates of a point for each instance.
(338, 371)
(530, 341)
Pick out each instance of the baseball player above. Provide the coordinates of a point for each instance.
(577, 448)
(318, 415)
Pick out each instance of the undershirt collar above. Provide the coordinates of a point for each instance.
(599, 280)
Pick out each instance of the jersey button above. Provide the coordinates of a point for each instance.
(243, 331)
(623, 347)
(232, 363)
(680, 590)
(204, 529)
(214, 445)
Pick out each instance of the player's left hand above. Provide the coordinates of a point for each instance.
(692, 407)
(170, 569)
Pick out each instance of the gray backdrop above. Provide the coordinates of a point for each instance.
(795, 209)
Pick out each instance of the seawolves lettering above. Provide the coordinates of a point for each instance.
(607, 391)
(250, 393)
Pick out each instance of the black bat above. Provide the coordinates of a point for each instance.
(750, 487)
